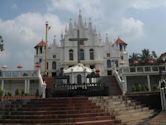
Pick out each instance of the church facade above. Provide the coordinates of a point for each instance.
(95, 53)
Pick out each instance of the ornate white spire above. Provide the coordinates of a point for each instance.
(61, 35)
(66, 29)
(95, 30)
(70, 25)
(90, 24)
(106, 38)
(54, 40)
(85, 23)
(79, 18)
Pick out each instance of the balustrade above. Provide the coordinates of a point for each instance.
(16, 74)
(142, 69)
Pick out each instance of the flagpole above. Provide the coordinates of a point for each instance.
(46, 49)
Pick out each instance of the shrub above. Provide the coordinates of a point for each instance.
(9, 94)
(140, 87)
(134, 88)
(37, 92)
(154, 88)
(22, 93)
(26, 94)
(17, 92)
(1, 92)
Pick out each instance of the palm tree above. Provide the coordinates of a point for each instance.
(133, 57)
(154, 54)
(145, 55)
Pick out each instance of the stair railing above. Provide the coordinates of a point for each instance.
(122, 83)
(42, 85)
(162, 86)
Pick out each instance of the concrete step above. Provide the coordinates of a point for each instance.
(55, 112)
(46, 116)
(125, 109)
(63, 120)
(74, 111)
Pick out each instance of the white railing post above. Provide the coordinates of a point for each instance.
(163, 98)
(42, 85)
(124, 87)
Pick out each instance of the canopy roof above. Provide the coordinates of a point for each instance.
(78, 68)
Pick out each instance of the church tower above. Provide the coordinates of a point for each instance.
(39, 55)
(123, 55)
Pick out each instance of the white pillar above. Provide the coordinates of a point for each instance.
(84, 75)
(25, 86)
(163, 98)
(28, 86)
(2, 86)
(149, 85)
(44, 90)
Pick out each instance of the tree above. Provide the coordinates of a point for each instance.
(154, 54)
(1, 44)
(134, 57)
(145, 55)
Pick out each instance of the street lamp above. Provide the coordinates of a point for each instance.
(1, 44)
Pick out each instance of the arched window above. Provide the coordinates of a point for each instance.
(108, 63)
(91, 53)
(81, 54)
(53, 65)
(41, 50)
(71, 57)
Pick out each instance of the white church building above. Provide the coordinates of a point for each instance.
(95, 53)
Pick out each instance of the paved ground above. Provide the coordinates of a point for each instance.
(160, 119)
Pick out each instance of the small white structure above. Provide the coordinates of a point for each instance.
(24, 81)
(78, 74)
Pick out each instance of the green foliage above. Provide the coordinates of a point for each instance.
(26, 94)
(1, 92)
(143, 57)
(133, 57)
(9, 94)
(17, 92)
(154, 54)
(139, 88)
(154, 88)
(37, 92)
(22, 93)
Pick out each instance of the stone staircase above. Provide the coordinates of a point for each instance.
(124, 109)
(111, 83)
(58, 111)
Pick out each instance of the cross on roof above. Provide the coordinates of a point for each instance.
(78, 39)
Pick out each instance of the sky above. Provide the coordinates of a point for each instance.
(140, 23)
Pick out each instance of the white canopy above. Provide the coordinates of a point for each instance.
(78, 68)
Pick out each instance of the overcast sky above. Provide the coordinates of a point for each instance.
(141, 23)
